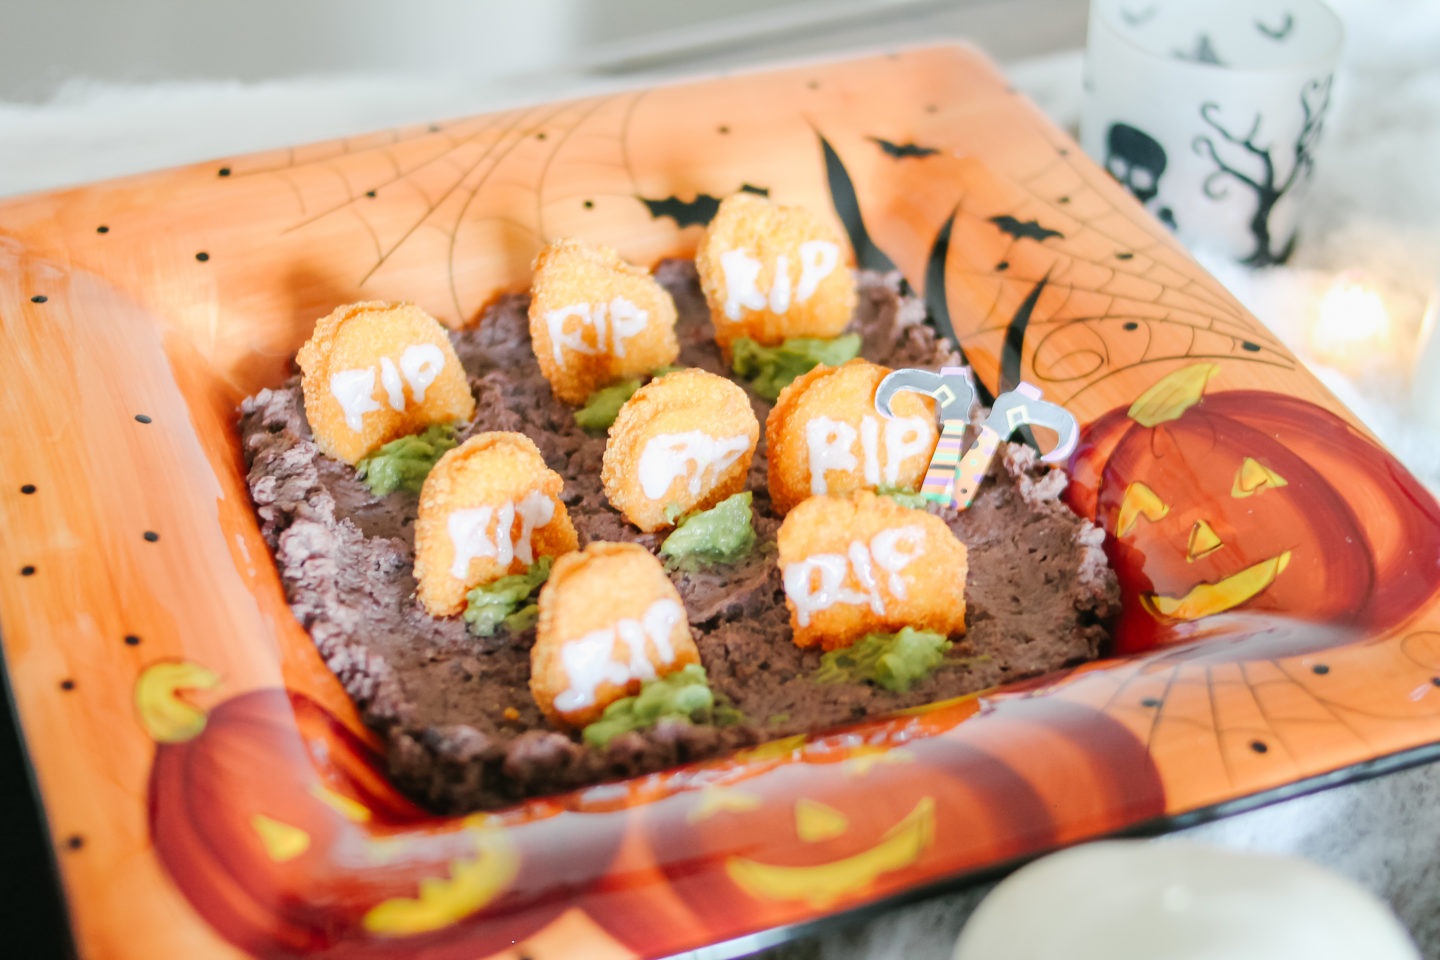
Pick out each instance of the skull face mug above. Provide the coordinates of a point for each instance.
(1210, 114)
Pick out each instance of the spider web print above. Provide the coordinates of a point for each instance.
(1049, 268)
(1110, 293)
(1231, 726)
(451, 190)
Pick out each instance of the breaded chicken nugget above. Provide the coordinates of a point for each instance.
(683, 442)
(610, 619)
(489, 508)
(773, 272)
(595, 319)
(863, 563)
(824, 436)
(376, 371)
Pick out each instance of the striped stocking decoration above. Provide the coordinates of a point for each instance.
(939, 483)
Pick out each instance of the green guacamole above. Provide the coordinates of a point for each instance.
(683, 695)
(770, 369)
(906, 498)
(404, 464)
(723, 534)
(891, 660)
(603, 406)
(503, 601)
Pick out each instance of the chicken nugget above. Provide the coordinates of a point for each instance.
(488, 509)
(610, 619)
(683, 442)
(824, 436)
(395, 350)
(595, 319)
(864, 564)
(773, 272)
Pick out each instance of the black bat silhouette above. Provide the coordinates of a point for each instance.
(1280, 32)
(697, 212)
(1020, 229)
(1135, 19)
(901, 150)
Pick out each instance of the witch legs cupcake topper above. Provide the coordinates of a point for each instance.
(954, 475)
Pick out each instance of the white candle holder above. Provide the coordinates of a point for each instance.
(1211, 113)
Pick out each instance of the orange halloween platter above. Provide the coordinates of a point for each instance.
(1280, 570)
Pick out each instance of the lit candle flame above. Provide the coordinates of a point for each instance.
(1352, 325)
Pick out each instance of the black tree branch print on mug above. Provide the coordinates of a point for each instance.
(1264, 179)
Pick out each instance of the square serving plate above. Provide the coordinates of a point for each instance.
(183, 727)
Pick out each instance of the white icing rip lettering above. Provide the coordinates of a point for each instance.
(693, 454)
(885, 548)
(421, 363)
(829, 443)
(535, 510)
(591, 660)
(818, 259)
(905, 437)
(780, 289)
(612, 323)
(811, 597)
(560, 341)
(864, 568)
(471, 536)
(741, 273)
(354, 390)
(390, 380)
(659, 622)
(831, 446)
(626, 320)
(869, 447)
(811, 594)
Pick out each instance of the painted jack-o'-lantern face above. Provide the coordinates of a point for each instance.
(787, 841)
(869, 811)
(1254, 500)
(276, 823)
